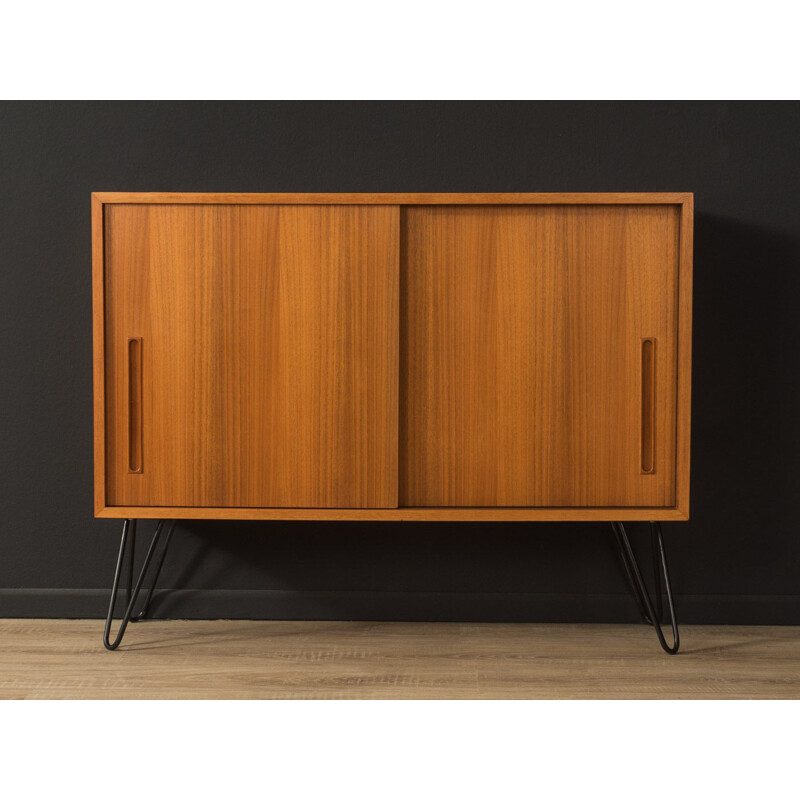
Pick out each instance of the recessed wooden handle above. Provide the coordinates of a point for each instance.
(648, 405)
(134, 405)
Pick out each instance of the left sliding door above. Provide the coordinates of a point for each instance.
(251, 355)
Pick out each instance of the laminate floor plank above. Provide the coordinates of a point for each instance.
(222, 659)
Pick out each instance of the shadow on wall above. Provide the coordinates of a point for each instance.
(745, 454)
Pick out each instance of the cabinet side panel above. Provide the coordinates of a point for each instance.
(269, 355)
(98, 355)
(684, 377)
(521, 367)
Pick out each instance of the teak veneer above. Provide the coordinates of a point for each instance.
(392, 356)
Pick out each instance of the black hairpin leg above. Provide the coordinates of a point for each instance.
(652, 616)
(128, 545)
(149, 598)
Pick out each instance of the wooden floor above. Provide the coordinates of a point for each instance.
(349, 660)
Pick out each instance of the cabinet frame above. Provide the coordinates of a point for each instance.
(684, 200)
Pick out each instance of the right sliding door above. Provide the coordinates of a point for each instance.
(538, 355)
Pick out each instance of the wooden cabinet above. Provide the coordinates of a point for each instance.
(392, 356)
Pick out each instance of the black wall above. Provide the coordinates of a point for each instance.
(737, 560)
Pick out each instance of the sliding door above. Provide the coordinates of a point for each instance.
(251, 355)
(539, 355)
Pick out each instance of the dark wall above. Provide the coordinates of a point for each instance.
(737, 560)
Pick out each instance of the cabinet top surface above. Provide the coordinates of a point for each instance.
(399, 198)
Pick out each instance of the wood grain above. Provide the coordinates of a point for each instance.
(684, 374)
(103, 204)
(98, 354)
(359, 660)
(521, 354)
(396, 198)
(465, 514)
(269, 359)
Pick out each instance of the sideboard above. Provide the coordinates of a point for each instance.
(519, 357)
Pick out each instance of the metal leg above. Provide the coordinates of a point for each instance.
(619, 531)
(149, 598)
(652, 616)
(131, 559)
(127, 544)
